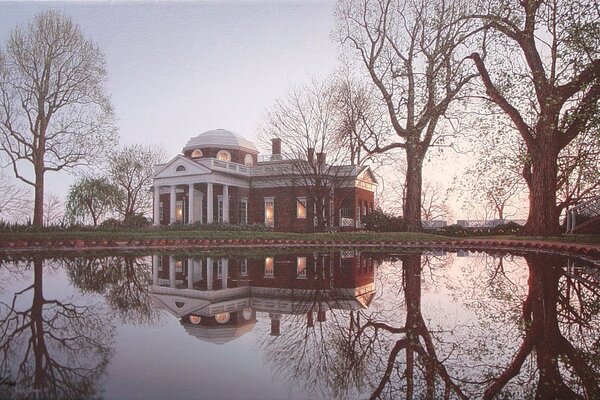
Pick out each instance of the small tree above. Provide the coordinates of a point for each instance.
(92, 198)
(130, 170)
(54, 114)
(14, 200)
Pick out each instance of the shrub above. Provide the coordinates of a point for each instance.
(110, 223)
(136, 221)
(380, 221)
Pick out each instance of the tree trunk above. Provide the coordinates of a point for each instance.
(414, 183)
(38, 209)
(543, 219)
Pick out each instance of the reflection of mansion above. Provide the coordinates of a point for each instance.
(217, 299)
(221, 178)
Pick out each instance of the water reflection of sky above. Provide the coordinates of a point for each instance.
(302, 325)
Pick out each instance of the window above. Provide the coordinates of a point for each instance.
(161, 213)
(301, 267)
(248, 160)
(180, 168)
(269, 267)
(301, 208)
(224, 155)
(195, 319)
(197, 153)
(222, 318)
(244, 267)
(220, 268)
(220, 209)
(159, 263)
(179, 266)
(243, 211)
(269, 211)
(179, 211)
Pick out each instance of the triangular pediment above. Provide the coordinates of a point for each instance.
(366, 175)
(180, 166)
(179, 305)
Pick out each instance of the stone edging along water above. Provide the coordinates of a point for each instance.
(450, 244)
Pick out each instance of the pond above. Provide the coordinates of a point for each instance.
(347, 324)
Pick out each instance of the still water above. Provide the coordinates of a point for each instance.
(346, 325)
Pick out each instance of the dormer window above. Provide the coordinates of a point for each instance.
(180, 168)
(197, 153)
(248, 160)
(224, 155)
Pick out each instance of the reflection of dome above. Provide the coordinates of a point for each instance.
(222, 139)
(219, 334)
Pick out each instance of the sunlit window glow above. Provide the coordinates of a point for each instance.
(222, 318)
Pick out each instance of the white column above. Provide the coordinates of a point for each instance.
(172, 271)
(156, 205)
(225, 204)
(209, 273)
(191, 204)
(173, 203)
(225, 264)
(155, 270)
(209, 203)
(200, 215)
(190, 273)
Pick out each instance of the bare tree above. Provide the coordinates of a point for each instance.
(54, 114)
(543, 72)
(130, 170)
(410, 51)
(14, 200)
(54, 209)
(306, 121)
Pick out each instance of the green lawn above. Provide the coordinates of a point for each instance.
(187, 233)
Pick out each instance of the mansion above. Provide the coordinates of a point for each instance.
(220, 178)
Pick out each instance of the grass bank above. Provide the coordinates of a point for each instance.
(174, 233)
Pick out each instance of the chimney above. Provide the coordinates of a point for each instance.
(321, 159)
(311, 155)
(275, 324)
(276, 147)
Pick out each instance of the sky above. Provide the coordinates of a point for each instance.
(180, 68)
(177, 69)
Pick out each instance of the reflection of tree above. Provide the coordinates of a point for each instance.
(54, 347)
(561, 365)
(122, 280)
(420, 355)
(364, 351)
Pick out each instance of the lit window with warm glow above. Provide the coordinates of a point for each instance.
(197, 153)
(301, 267)
(269, 211)
(179, 266)
(224, 155)
(247, 313)
(269, 267)
(301, 208)
(179, 211)
(222, 318)
(195, 319)
(248, 160)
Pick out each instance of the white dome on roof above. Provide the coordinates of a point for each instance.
(220, 138)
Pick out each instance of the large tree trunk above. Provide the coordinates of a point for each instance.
(543, 213)
(38, 208)
(414, 183)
